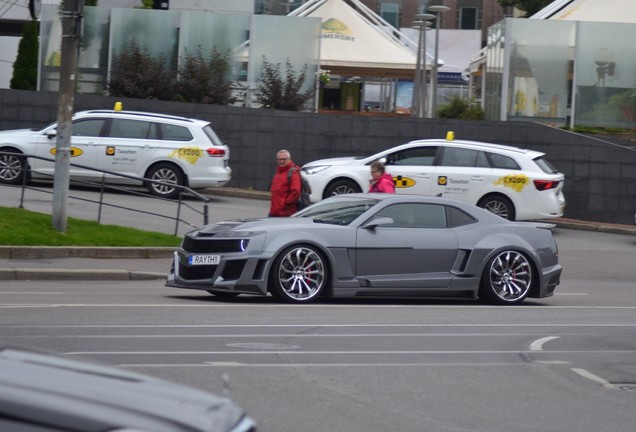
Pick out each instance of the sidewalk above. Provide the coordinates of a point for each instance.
(112, 263)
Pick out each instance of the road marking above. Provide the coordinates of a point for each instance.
(299, 353)
(585, 374)
(538, 344)
(312, 325)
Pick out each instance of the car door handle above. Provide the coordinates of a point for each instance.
(423, 175)
(476, 178)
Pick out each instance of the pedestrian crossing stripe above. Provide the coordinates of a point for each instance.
(403, 182)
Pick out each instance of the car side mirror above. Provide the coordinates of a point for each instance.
(381, 221)
(51, 134)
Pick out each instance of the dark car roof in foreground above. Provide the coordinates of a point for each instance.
(80, 396)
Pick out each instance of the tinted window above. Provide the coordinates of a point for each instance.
(501, 161)
(212, 135)
(176, 133)
(413, 215)
(545, 165)
(88, 127)
(422, 156)
(457, 217)
(460, 157)
(124, 128)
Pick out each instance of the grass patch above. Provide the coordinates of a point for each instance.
(20, 227)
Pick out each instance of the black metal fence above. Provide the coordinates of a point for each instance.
(195, 202)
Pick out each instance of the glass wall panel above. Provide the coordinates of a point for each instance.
(494, 70)
(278, 39)
(605, 75)
(50, 50)
(225, 33)
(93, 55)
(540, 57)
(154, 31)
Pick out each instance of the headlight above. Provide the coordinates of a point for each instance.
(315, 169)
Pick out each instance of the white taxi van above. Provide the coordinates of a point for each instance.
(514, 183)
(165, 148)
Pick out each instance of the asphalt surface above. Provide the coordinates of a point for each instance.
(112, 263)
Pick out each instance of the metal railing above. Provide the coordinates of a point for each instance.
(104, 186)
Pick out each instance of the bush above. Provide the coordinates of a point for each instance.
(136, 74)
(205, 81)
(25, 68)
(460, 108)
(272, 92)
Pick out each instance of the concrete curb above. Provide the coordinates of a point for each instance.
(42, 252)
(53, 274)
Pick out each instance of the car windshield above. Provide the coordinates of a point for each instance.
(545, 165)
(337, 210)
(212, 135)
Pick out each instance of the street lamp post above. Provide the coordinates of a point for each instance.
(437, 10)
(419, 84)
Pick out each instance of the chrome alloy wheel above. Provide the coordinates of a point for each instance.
(509, 277)
(11, 169)
(300, 274)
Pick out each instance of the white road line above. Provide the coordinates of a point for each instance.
(538, 344)
(291, 352)
(315, 325)
(585, 374)
(288, 365)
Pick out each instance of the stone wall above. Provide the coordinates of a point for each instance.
(600, 175)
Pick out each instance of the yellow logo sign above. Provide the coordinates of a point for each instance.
(334, 25)
(74, 151)
(188, 154)
(515, 182)
(403, 182)
(110, 151)
(442, 180)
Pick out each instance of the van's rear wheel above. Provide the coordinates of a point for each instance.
(167, 174)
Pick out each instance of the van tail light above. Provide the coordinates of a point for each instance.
(542, 185)
(216, 152)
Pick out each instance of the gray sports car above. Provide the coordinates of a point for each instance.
(372, 245)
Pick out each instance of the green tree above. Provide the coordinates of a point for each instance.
(205, 81)
(530, 7)
(25, 68)
(460, 108)
(137, 74)
(284, 94)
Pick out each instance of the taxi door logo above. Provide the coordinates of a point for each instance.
(442, 180)
(515, 182)
(74, 151)
(110, 151)
(403, 182)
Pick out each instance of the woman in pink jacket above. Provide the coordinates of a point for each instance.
(380, 180)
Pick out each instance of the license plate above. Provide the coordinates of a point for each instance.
(204, 260)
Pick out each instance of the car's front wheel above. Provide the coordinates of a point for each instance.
(499, 205)
(299, 275)
(507, 279)
(165, 173)
(12, 167)
(340, 187)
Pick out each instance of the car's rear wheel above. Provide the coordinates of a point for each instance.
(166, 173)
(499, 205)
(12, 167)
(507, 279)
(299, 275)
(340, 187)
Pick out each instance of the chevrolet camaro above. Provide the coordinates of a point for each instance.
(372, 245)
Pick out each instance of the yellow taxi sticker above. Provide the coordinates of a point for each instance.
(515, 182)
(442, 180)
(74, 151)
(110, 151)
(188, 154)
(403, 182)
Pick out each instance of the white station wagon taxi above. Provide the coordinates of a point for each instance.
(514, 183)
(165, 148)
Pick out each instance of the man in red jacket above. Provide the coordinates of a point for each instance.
(285, 189)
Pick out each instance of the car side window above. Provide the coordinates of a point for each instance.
(418, 156)
(501, 161)
(457, 217)
(176, 133)
(414, 215)
(460, 157)
(88, 127)
(134, 129)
